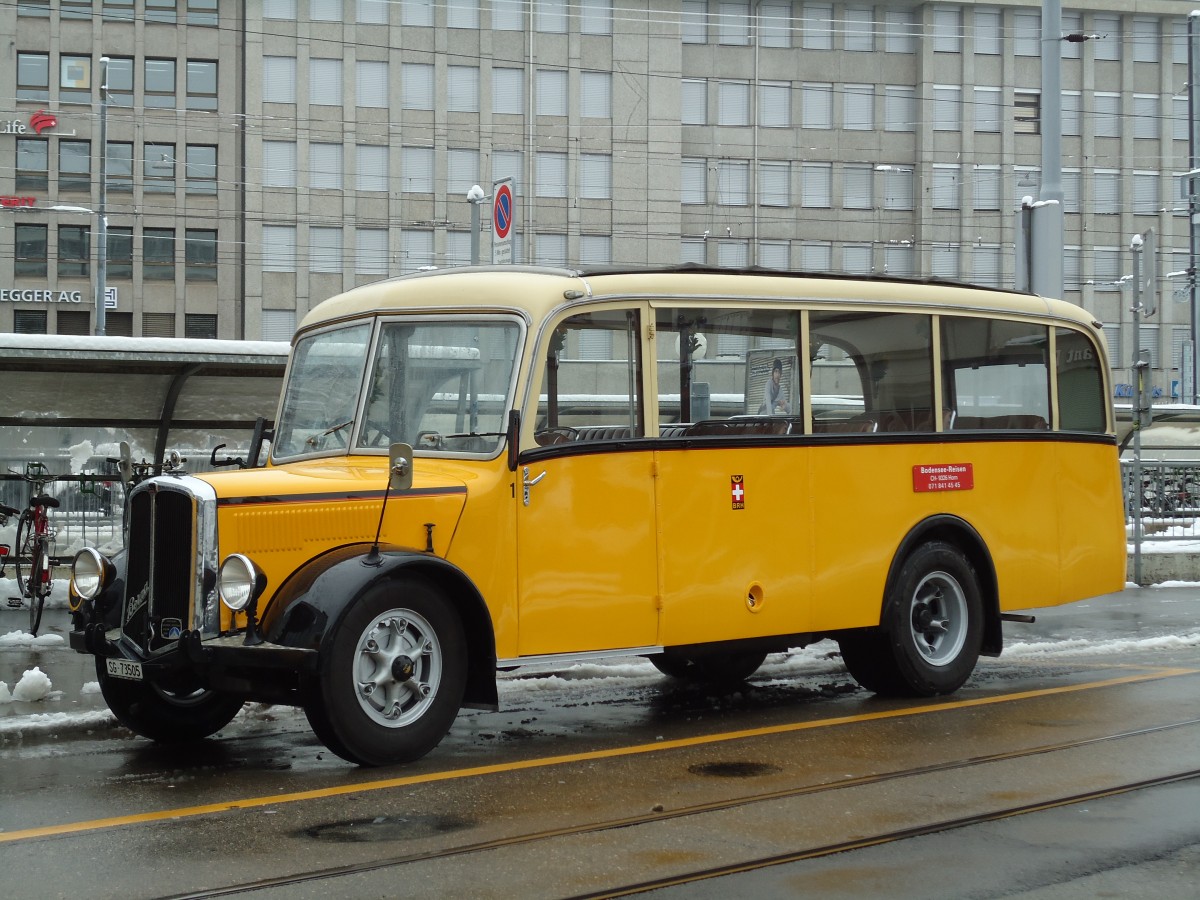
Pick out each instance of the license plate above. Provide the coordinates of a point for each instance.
(123, 668)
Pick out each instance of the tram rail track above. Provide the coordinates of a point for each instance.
(531, 838)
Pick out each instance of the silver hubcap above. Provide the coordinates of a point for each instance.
(938, 618)
(398, 667)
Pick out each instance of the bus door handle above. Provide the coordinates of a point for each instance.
(528, 483)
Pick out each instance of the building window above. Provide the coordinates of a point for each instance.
(899, 31)
(898, 189)
(278, 324)
(858, 107)
(947, 29)
(279, 164)
(75, 79)
(118, 10)
(1145, 115)
(550, 16)
(118, 324)
(200, 255)
(899, 108)
(947, 107)
(34, 8)
(29, 321)
(1027, 33)
(986, 187)
(987, 109)
(1146, 41)
(416, 170)
(279, 248)
(416, 249)
(693, 97)
(74, 322)
(551, 174)
(371, 82)
(817, 106)
(693, 26)
(158, 254)
(509, 164)
(693, 178)
(416, 88)
(33, 77)
(595, 249)
(31, 250)
(120, 166)
(775, 23)
(816, 185)
(1072, 109)
(733, 103)
(775, 104)
(774, 184)
(816, 256)
(158, 325)
(200, 326)
(119, 266)
(1107, 117)
(595, 176)
(857, 186)
(462, 89)
(508, 91)
(370, 251)
(595, 95)
(551, 92)
(860, 29)
(324, 252)
(1107, 192)
(204, 13)
(74, 165)
(201, 84)
(74, 251)
(161, 11)
(158, 168)
(119, 75)
(595, 17)
(462, 14)
(1108, 42)
(818, 26)
(988, 33)
(325, 166)
(279, 79)
(733, 182)
(371, 165)
(200, 169)
(945, 193)
(1027, 112)
(462, 170)
(33, 165)
(159, 83)
(372, 12)
(324, 81)
(1146, 201)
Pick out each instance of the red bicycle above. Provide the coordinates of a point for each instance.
(35, 538)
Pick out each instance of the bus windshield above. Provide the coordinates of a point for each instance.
(440, 386)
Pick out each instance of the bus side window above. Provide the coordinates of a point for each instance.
(727, 372)
(997, 373)
(1081, 405)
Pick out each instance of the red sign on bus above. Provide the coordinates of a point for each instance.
(944, 477)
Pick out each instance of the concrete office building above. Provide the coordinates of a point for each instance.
(265, 155)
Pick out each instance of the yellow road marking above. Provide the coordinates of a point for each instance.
(547, 761)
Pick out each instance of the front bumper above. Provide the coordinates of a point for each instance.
(265, 672)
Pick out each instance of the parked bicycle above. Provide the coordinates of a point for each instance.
(34, 542)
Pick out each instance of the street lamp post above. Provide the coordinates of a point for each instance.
(102, 213)
(475, 196)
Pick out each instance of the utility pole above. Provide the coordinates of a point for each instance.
(1190, 388)
(1046, 225)
(101, 210)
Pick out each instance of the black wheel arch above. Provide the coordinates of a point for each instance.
(961, 534)
(312, 601)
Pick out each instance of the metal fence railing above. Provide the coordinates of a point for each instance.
(1165, 506)
(89, 513)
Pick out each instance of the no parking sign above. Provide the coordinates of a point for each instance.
(503, 213)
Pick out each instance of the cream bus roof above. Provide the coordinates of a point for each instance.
(537, 290)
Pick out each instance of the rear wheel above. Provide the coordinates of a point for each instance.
(39, 586)
(169, 712)
(23, 552)
(932, 629)
(391, 676)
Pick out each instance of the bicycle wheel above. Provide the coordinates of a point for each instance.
(39, 586)
(22, 551)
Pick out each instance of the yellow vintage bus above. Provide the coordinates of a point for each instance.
(482, 468)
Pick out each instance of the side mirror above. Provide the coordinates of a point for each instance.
(400, 471)
(125, 464)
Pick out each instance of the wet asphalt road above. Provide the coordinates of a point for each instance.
(605, 784)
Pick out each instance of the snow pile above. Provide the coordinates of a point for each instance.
(33, 686)
(24, 639)
(91, 687)
(1084, 647)
(5, 693)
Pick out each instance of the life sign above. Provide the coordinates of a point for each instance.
(503, 212)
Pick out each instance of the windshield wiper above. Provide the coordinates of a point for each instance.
(467, 434)
(315, 436)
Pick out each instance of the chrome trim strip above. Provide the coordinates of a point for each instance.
(558, 660)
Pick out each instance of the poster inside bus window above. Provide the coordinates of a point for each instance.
(771, 382)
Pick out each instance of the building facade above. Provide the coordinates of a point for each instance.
(262, 156)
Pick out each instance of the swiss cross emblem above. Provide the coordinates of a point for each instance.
(737, 491)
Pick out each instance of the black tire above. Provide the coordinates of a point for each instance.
(732, 667)
(932, 628)
(23, 551)
(391, 676)
(166, 713)
(38, 587)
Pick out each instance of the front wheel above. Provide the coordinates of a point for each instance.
(932, 628)
(169, 713)
(391, 676)
(39, 586)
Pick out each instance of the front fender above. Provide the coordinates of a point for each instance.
(308, 607)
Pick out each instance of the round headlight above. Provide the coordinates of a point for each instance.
(237, 581)
(89, 573)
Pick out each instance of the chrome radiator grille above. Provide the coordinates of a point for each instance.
(162, 565)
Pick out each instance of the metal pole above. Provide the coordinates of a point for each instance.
(101, 212)
(474, 234)
(1046, 278)
(1139, 374)
(1192, 389)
